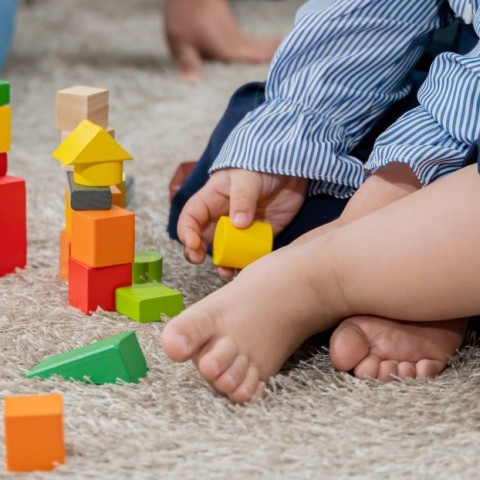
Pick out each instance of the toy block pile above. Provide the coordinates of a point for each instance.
(98, 243)
(97, 246)
(13, 216)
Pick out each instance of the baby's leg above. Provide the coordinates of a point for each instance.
(414, 260)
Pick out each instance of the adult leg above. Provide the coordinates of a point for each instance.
(414, 260)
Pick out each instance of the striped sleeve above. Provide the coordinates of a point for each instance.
(342, 65)
(434, 138)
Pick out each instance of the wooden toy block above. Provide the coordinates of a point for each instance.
(90, 144)
(90, 288)
(99, 174)
(4, 92)
(13, 224)
(101, 238)
(147, 302)
(34, 437)
(179, 177)
(80, 102)
(129, 189)
(236, 248)
(147, 267)
(65, 249)
(118, 198)
(110, 131)
(88, 198)
(68, 213)
(5, 128)
(106, 361)
(3, 164)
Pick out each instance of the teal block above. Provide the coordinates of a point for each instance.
(4, 92)
(106, 361)
(147, 267)
(147, 302)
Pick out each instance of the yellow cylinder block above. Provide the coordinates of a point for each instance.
(98, 174)
(237, 247)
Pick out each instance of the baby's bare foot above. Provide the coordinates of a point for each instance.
(242, 334)
(380, 348)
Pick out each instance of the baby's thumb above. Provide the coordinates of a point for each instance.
(244, 193)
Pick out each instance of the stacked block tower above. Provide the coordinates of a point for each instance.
(13, 221)
(97, 246)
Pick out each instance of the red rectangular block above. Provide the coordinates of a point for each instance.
(89, 287)
(3, 164)
(13, 224)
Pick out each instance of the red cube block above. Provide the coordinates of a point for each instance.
(89, 287)
(3, 164)
(13, 224)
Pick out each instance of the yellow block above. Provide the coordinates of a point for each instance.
(99, 174)
(5, 128)
(236, 248)
(89, 143)
(68, 212)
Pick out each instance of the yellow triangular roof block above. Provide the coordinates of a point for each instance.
(89, 143)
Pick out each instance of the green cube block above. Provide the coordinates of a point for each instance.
(106, 361)
(147, 302)
(147, 267)
(4, 92)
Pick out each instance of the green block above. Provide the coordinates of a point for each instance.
(107, 361)
(147, 302)
(4, 92)
(147, 267)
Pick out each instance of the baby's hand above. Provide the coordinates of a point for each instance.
(244, 196)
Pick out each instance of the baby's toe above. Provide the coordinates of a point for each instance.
(367, 368)
(429, 367)
(233, 377)
(216, 357)
(388, 370)
(247, 388)
(406, 370)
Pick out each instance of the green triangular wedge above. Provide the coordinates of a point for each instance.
(106, 361)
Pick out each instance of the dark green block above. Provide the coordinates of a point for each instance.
(107, 361)
(88, 198)
(4, 92)
(147, 267)
(147, 302)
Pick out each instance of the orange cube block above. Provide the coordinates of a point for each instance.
(102, 238)
(34, 438)
(64, 254)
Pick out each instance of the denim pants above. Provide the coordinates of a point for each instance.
(320, 209)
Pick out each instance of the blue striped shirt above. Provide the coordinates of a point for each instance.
(342, 65)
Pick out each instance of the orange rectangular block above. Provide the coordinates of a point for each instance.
(68, 212)
(34, 438)
(101, 238)
(118, 197)
(64, 254)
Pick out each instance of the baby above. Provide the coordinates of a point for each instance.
(379, 271)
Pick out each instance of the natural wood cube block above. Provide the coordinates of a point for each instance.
(101, 238)
(34, 438)
(81, 102)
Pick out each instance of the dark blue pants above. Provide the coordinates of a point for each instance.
(320, 209)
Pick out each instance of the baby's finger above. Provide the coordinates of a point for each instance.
(245, 191)
(225, 272)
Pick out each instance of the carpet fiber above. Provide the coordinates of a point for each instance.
(314, 422)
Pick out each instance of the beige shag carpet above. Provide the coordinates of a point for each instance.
(314, 422)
